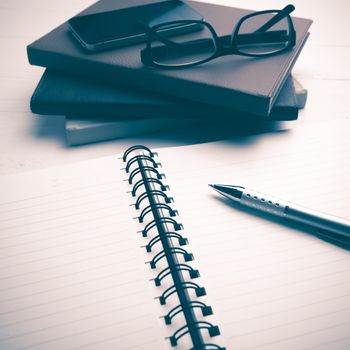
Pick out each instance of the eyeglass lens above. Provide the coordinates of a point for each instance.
(182, 49)
(252, 41)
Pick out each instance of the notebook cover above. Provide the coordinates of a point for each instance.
(62, 94)
(234, 82)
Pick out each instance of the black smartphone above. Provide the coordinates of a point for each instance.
(106, 30)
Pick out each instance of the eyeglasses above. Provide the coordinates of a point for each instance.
(259, 34)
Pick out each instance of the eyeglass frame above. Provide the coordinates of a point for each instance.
(219, 41)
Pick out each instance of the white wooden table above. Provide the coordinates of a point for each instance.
(29, 142)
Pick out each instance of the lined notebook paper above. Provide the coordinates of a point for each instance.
(273, 286)
(73, 275)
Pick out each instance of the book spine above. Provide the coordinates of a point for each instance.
(289, 70)
(155, 209)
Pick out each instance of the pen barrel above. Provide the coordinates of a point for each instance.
(262, 202)
(318, 219)
(294, 212)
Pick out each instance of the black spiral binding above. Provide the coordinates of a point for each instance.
(144, 174)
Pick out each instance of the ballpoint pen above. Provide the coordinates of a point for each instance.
(330, 227)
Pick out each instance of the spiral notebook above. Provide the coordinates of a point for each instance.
(113, 254)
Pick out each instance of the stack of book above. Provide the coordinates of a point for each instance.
(110, 94)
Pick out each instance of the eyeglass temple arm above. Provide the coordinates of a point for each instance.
(164, 39)
(225, 41)
(275, 19)
(158, 35)
(264, 37)
(249, 38)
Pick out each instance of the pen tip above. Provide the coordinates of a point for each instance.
(211, 185)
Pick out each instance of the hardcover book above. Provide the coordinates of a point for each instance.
(235, 82)
(63, 94)
(80, 130)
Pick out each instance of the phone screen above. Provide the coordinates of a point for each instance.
(124, 23)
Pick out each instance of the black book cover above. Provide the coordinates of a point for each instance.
(234, 82)
(62, 94)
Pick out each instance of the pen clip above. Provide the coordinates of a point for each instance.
(335, 238)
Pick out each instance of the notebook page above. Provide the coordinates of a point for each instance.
(72, 275)
(271, 285)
